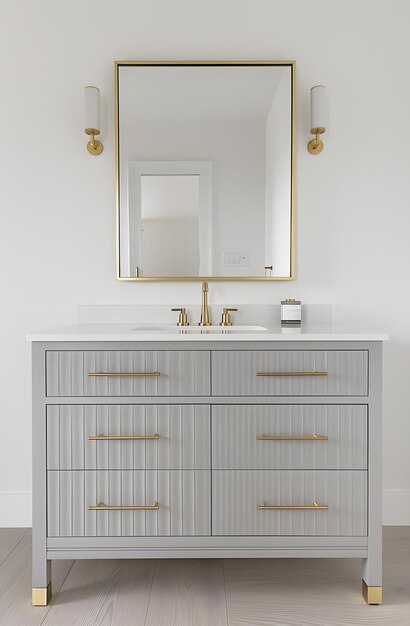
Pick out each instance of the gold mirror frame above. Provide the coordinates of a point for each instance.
(292, 65)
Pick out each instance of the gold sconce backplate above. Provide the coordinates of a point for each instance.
(94, 146)
(315, 146)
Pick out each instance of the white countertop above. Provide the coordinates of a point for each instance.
(147, 332)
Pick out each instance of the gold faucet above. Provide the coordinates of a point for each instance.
(204, 311)
(226, 317)
(183, 317)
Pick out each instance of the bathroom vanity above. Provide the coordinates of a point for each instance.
(170, 443)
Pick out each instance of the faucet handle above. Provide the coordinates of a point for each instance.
(183, 317)
(226, 317)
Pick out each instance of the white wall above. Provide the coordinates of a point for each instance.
(57, 216)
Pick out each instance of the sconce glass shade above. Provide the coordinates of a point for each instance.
(318, 109)
(92, 109)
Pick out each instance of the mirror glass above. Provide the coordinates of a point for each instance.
(170, 225)
(204, 167)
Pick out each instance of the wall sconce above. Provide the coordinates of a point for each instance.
(92, 119)
(318, 118)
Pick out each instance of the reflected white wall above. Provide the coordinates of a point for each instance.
(237, 152)
(278, 180)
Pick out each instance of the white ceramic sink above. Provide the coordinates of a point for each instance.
(164, 328)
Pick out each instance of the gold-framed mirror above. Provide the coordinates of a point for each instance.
(205, 171)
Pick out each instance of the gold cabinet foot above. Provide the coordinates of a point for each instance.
(372, 595)
(41, 596)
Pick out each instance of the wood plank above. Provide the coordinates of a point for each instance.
(15, 586)
(9, 538)
(259, 592)
(188, 592)
(104, 592)
(312, 592)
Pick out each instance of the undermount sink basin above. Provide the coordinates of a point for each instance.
(163, 328)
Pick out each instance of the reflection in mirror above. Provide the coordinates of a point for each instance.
(170, 225)
(205, 170)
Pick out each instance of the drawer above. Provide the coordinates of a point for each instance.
(166, 503)
(236, 496)
(290, 373)
(301, 436)
(128, 437)
(128, 373)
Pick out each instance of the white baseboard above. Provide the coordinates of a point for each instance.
(15, 508)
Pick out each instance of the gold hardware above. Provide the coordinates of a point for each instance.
(313, 507)
(372, 595)
(315, 146)
(100, 506)
(291, 374)
(41, 596)
(94, 146)
(183, 317)
(123, 438)
(176, 63)
(205, 321)
(226, 317)
(293, 438)
(124, 374)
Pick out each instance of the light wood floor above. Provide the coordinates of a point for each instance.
(205, 592)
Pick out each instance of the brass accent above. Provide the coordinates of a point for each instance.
(257, 63)
(292, 438)
(123, 437)
(100, 506)
(183, 317)
(315, 146)
(291, 373)
(372, 595)
(205, 321)
(226, 317)
(41, 596)
(94, 146)
(124, 374)
(313, 507)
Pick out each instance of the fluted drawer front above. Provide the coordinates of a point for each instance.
(314, 436)
(290, 373)
(178, 437)
(128, 373)
(182, 497)
(236, 496)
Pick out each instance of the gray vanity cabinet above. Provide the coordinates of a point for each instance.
(206, 449)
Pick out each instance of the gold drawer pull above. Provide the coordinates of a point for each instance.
(291, 373)
(313, 507)
(124, 374)
(292, 438)
(123, 437)
(100, 506)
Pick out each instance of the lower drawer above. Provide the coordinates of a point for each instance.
(241, 502)
(149, 503)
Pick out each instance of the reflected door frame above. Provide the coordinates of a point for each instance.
(137, 169)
